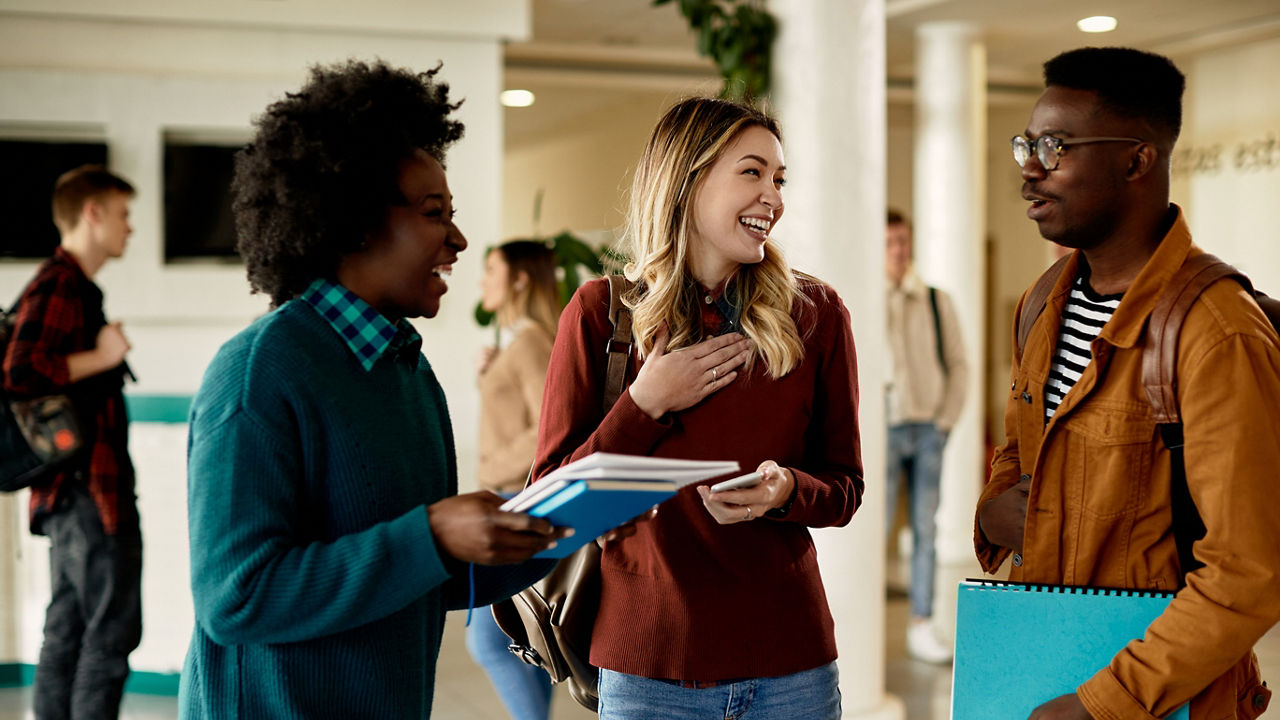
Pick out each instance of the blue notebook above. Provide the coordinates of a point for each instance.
(1018, 646)
(594, 507)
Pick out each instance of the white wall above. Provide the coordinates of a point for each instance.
(583, 168)
(1228, 159)
(137, 69)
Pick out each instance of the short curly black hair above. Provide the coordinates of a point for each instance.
(322, 168)
(1131, 83)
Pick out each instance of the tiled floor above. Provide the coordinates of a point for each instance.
(463, 692)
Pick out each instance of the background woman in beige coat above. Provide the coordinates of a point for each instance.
(519, 285)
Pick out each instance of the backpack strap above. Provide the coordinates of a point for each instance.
(1036, 300)
(937, 329)
(619, 346)
(1160, 351)
(1159, 380)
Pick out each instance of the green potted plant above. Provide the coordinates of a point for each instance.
(738, 36)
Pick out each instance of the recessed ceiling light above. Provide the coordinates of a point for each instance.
(517, 98)
(1097, 24)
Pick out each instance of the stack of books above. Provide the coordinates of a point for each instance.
(604, 490)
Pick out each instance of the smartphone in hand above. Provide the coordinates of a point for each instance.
(742, 481)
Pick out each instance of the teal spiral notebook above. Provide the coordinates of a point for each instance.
(1018, 646)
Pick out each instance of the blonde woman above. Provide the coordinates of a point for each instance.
(519, 287)
(715, 608)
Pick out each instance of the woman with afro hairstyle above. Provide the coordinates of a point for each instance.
(327, 538)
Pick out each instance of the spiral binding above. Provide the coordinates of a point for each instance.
(1069, 589)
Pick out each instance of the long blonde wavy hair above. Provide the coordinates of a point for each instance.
(688, 139)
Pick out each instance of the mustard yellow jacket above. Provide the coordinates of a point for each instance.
(1098, 512)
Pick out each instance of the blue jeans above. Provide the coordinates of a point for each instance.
(915, 452)
(809, 695)
(94, 618)
(525, 689)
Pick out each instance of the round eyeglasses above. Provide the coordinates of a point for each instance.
(1048, 149)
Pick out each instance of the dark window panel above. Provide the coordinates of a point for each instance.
(26, 188)
(197, 202)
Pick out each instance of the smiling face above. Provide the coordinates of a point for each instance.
(403, 269)
(1080, 203)
(736, 206)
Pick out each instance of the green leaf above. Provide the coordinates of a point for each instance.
(483, 317)
(706, 38)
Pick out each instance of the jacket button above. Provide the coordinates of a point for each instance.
(1024, 476)
(1259, 701)
(1017, 559)
(1026, 396)
(1014, 385)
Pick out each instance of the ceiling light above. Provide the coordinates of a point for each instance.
(517, 98)
(1097, 24)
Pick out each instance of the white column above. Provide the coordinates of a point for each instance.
(829, 94)
(950, 221)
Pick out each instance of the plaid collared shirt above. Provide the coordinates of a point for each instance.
(60, 313)
(719, 316)
(367, 333)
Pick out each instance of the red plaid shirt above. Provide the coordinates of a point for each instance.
(60, 313)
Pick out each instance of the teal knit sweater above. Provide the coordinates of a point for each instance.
(319, 590)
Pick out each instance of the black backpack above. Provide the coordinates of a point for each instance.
(37, 436)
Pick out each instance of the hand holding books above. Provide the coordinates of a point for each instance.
(602, 491)
(471, 528)
(628, 528)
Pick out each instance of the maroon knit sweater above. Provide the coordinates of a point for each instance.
(685, 598)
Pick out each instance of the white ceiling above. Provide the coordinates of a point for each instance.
(1020, 35)
(589, 54)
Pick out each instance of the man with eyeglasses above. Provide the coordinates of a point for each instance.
(1080, 493)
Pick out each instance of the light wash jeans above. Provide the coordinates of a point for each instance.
(809, 695)
(915, 453)
(525, 689)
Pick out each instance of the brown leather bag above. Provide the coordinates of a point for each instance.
(550, 622)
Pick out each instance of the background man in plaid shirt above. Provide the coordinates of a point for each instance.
(62, 343)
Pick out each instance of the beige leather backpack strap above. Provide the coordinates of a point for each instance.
(1036, 300)
(1160, 351)
(619, 346)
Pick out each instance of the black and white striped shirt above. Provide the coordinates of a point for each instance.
(1083, 317)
